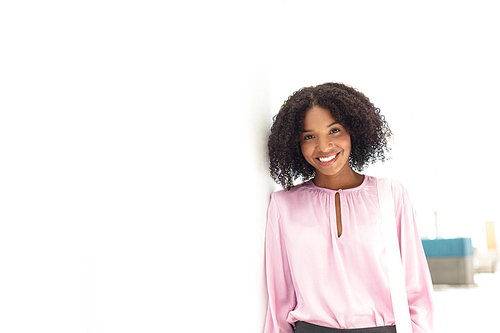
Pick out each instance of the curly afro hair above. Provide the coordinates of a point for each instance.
(367, 127)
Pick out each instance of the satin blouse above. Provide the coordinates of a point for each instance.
(314, 275)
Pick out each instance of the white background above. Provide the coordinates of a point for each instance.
(133, 172)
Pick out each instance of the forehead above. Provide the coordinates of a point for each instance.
(318, 117)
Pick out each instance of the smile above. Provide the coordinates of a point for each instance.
(327, 159)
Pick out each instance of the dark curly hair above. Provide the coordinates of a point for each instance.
(353, 110)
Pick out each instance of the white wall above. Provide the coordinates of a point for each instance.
(133, 176)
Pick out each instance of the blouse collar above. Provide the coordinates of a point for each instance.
(311, 184)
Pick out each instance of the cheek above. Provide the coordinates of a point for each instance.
(306, 150)
(346, 142)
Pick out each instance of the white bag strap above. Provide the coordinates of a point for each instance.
(393, 254)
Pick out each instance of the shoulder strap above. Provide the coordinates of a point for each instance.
(393, 254)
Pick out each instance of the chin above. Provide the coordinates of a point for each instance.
(331, 172)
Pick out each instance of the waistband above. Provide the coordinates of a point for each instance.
(303, 327)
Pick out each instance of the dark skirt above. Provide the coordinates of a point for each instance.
(303, 327)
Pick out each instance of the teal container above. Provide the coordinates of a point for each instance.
(446, 248)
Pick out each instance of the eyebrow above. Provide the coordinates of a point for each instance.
(336, 122)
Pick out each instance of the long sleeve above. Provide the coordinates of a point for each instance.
(281, 294)
(313, 275)
(418, 280)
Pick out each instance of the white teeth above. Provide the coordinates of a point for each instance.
(327, 159)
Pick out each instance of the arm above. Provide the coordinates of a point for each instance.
(281, 295)
(417, 277)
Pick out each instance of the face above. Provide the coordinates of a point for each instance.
(325, 144)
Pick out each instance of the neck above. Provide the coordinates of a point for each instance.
(342, 180)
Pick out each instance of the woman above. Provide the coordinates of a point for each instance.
(326, 264)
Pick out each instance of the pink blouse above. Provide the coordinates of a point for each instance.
(341, 282)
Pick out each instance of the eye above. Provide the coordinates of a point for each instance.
(308, 137)
(334, 130)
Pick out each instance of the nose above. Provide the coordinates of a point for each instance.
(325, 144)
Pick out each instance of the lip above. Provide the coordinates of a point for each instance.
(329, 162)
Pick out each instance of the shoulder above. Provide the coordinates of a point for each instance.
(293, 196)
(396, 186)
(294, 191)
(399, 192)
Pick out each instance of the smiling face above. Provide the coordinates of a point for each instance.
(325, 144)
